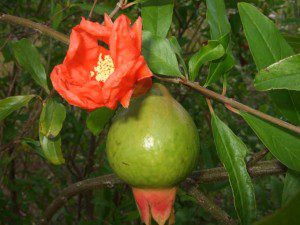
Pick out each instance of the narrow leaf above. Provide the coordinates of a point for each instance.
(11, 104)
(35, 145)
(287, 215)
(291, 186)
(294, 41)
(217, 18)
(288, 104)
(175, 45)
(283, 144)
(232, 152)
(220, 30)
(267, 46)
(52, 149)
(52, 118)
(157, 16)
(212, 51)
(284, 74)
(216, 70)
(263, 37)
(28, 57)
(159, 55)
(177, 49)
(97, 119)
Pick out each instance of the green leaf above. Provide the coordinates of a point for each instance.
(217, 18)
(11, 104)
(232, 152)
(283, 144)
(216, 70)
(97, 119)
(175, 45)
(220, 31)
(267, 46)
(291, 186)
(265, 41)
(284, 74)
(157, 16)
(51, 149)
(159, 55)
(212, 51)
(52, 118)
(177, 49)
(293, 41)
(28, 57)
(288, 104)
(35, 145)
(287, 215)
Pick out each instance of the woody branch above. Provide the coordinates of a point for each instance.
(193, 85)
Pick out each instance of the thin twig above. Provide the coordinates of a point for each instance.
(203, 176)
(211, 110)
(119, 6)
(224, 90)
(79, 187)
(5, 42)
(194, 85)
(36, 26)
(213, 95)
(129, 5)
(230, 108)
(257, 157)
(92, 9)
(216, 212)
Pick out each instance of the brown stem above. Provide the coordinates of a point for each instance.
(257, 157)
(202, 176)
(211, 110)
(36, 26)
(220, 215)
(128, 5)
(194, 85)
(218, 174)
(92, 9)
(119, 6)
(211, 94)
(79, 187)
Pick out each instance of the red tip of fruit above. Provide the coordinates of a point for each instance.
(157, 203)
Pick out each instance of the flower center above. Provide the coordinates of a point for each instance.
(105, 67)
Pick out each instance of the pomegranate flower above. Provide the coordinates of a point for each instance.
(93, 76)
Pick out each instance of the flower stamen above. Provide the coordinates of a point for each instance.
(105, 67)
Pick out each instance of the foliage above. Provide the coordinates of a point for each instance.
(248, 49)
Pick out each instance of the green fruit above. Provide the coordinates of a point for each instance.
(154, 143)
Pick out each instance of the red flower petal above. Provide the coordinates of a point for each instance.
(137, 33)
(125, 100)
(58, 76)
(96, 29)
(73, 80)
(157, 203)
(107, 21)
(122, 47)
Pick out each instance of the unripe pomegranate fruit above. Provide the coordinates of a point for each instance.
(153, 146)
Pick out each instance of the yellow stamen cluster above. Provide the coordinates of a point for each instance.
(104, 68)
